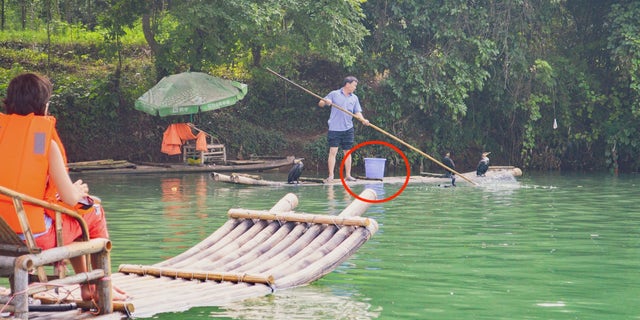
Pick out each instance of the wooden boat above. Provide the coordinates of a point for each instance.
(493, 174)
(253, 254)
(124, 167)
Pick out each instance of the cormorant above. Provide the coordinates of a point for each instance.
(295, 171)
(483, 165)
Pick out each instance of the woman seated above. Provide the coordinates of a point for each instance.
(34, 162)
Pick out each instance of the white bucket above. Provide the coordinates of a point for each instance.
(374, 167)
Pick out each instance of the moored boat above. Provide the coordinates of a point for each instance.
(494, 173)
(124, 167)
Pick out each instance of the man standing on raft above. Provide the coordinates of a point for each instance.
(447, 161)
(341, 132)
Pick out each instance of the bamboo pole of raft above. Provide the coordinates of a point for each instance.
(357, 207)
(195, 274)
(298, 217)
(375, 127)
(287, 203)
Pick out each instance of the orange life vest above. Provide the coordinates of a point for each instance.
(24, 165)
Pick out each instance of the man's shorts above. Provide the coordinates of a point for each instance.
(342, 139)
(71, 230)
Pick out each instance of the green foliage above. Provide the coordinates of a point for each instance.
(624, 44)
(242, 138)
(317, 150)
(454, 76)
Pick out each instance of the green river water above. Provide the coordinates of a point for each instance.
(546, 246)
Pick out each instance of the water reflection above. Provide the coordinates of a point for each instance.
(303, 303)
(183, 200)
(378, 188)
(336, 205)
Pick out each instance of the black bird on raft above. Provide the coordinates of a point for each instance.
(295, 171)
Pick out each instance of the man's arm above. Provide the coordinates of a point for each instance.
(360, 117)
(324, 102)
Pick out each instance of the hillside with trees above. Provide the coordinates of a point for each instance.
(544, 85)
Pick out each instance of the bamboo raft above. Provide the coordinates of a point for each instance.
(125, 167)
(254, 253)
(495, 173)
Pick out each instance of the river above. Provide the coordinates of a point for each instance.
(547, 246)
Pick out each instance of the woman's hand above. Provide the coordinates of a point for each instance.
(83, 188)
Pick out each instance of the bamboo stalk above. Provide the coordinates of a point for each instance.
(240, 179)
(222, 254)
(196, 274)
(118, 306)
(69, 280)
(357, 207)
(20, 287)
(501, 167)
(230, 249)
(187, 260)
(262, 249)
(298, 217)
(306, 255)
(262, 235)
(104, 286)
(324, 259)
(252, 176)
(292, 249)
(95, 162)
(213, 238)
(60, 253)
(288, 202)
(284, 239)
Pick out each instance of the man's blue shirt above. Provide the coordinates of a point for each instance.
(338, 120)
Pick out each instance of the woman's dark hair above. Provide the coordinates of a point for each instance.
(28, 93)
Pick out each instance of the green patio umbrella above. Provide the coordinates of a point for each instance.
(188, 93)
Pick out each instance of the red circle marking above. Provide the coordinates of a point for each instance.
(360, 145)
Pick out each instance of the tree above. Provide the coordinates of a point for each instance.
(195, 35)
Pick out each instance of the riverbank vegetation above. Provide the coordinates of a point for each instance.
(541, 84)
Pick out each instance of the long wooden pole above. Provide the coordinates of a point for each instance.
(376, 128)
